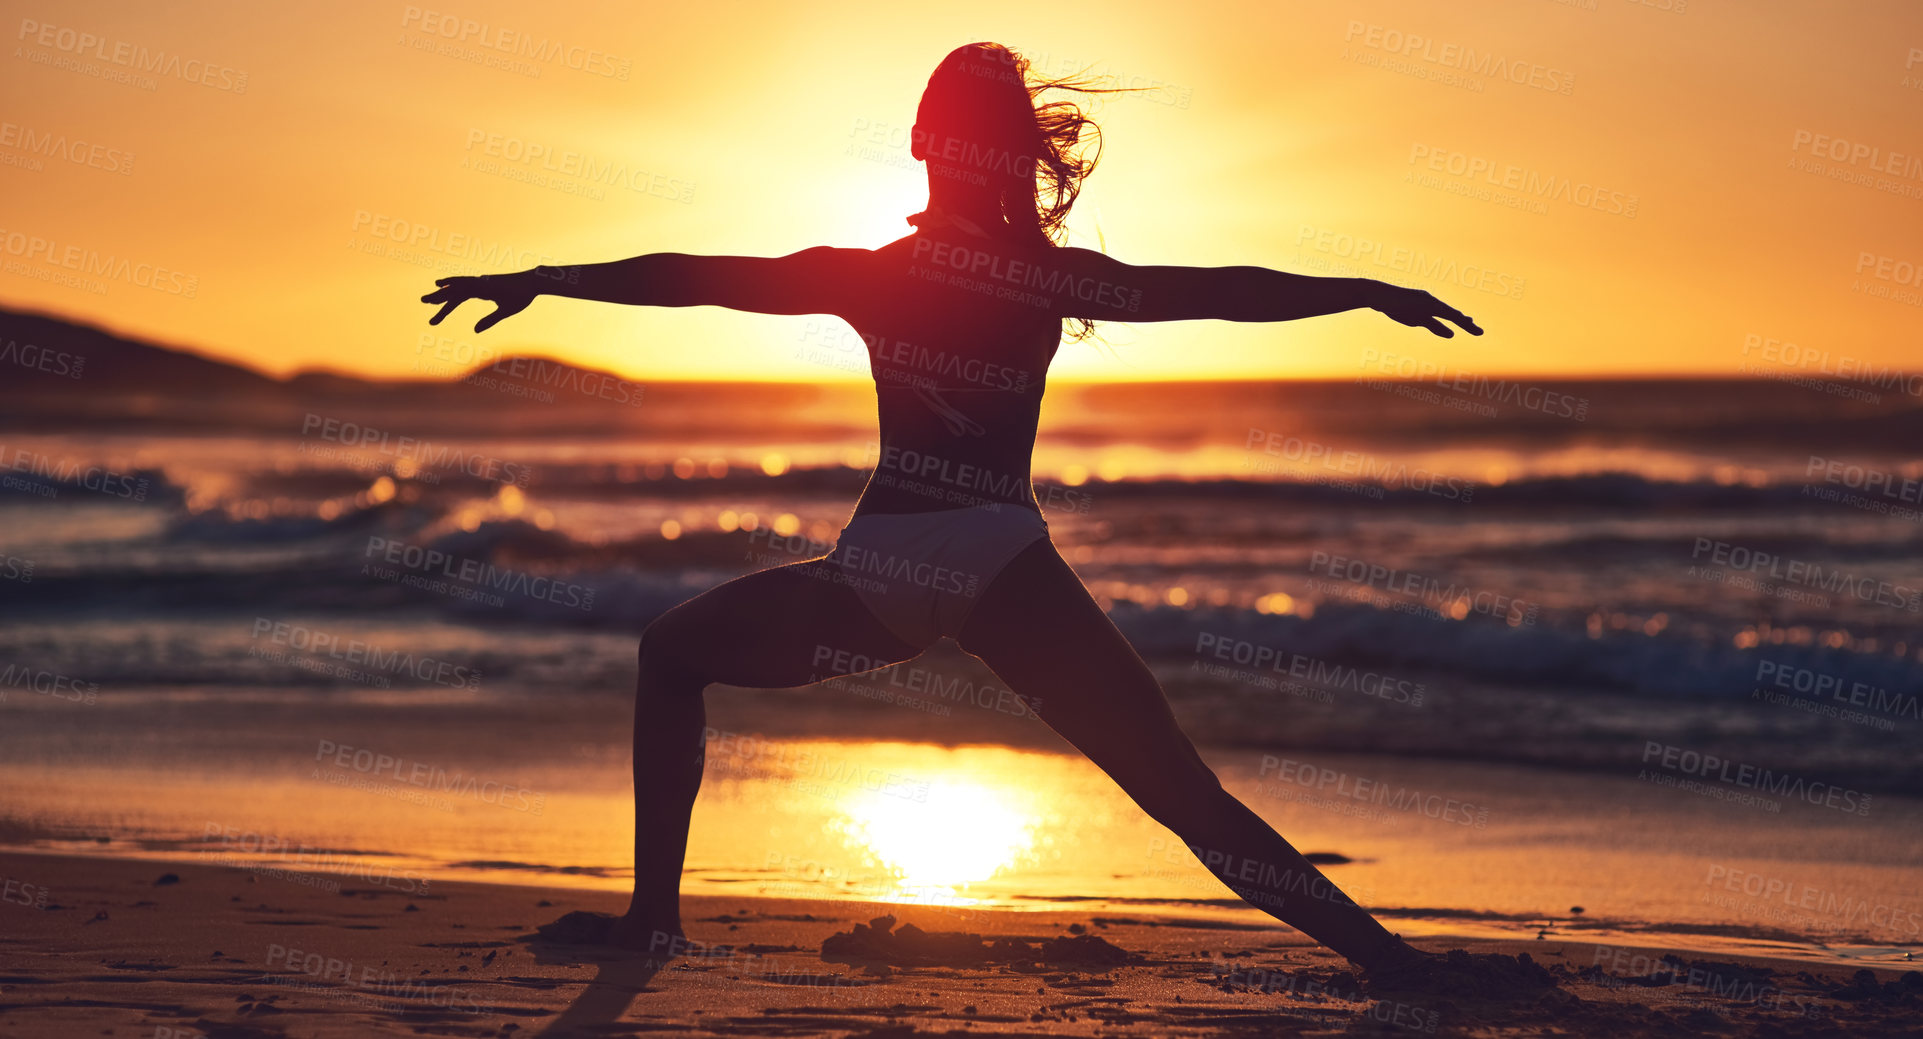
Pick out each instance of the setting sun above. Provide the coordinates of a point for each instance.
(1339, 516)
(964, 833)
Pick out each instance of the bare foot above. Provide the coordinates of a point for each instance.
(1460, 974)
(1405, 966)
(659, 938)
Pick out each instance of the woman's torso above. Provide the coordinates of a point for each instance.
(959, 349)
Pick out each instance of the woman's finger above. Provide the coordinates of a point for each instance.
(502, 311)
(445, 311)
(1468, 323)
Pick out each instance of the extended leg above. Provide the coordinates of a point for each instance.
(1037, 627)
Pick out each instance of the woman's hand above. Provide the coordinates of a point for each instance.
(510, 294)
(1418, 309)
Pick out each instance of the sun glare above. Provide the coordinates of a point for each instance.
(877, 212)
(964, 833)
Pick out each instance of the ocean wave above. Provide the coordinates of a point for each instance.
(61, 480)
(1397, 484)
(221, 526)
(1489, 652)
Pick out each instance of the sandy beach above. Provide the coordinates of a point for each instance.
(1452, 474)
(100, 946)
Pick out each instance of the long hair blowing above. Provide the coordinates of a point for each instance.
(983, 119)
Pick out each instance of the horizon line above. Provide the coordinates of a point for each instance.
(1065, 380)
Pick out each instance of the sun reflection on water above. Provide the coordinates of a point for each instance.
(963, 833)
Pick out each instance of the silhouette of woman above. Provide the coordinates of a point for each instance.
(961, 319)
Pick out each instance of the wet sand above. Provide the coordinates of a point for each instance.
(111, 946)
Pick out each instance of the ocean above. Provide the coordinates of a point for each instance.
(1651, 648)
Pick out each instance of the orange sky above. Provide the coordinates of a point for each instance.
(1285, 134)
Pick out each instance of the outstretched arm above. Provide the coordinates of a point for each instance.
(813, 281)
(1092, 285)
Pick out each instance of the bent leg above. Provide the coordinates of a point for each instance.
(788, 626)
(1039, 629)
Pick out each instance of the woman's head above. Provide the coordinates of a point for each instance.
(984, 133)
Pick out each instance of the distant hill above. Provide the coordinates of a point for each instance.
(60, 375)
(44, 354)
(40, 353)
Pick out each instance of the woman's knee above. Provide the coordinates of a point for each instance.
(666, 654)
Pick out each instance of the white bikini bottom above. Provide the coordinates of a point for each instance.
(920, 573)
